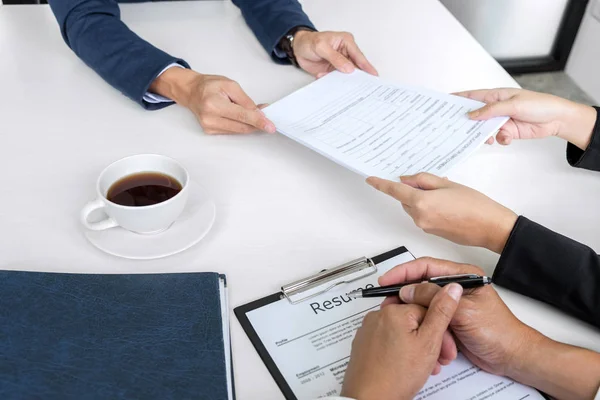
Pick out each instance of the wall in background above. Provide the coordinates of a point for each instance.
(510, 29)
(523, 35)
(584, 63)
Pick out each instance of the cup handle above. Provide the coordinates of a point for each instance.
(90, 207)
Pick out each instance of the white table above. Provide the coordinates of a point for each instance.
(283, 211)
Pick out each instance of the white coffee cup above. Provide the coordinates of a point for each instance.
(141, 219)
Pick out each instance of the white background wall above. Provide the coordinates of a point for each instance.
(504, 27)
(584, 62)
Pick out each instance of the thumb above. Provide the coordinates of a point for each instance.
(440, 312)
(403, 193)
(499, 109)
(425, 181)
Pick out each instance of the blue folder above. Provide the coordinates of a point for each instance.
(79, 336)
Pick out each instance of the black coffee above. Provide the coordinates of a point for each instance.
(143, 189)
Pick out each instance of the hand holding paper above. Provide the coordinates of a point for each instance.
(534, 115)
(450, 210)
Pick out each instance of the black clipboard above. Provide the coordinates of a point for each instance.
(362, 264)
(241, 311)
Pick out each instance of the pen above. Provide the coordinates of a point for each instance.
(467, 281)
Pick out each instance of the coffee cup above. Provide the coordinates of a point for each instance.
(143, 193)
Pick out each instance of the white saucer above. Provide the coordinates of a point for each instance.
(192, 225)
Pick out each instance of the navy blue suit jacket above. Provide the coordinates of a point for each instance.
(94, 31)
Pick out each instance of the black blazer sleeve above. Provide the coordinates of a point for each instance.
(546, 266)
(590, 158)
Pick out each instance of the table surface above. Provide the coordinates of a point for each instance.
(283, 212)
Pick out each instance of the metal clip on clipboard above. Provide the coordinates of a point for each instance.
(324, 281)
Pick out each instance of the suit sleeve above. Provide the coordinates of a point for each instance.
(270, 20)
(552, 268)
(590, 158)
(94, 31)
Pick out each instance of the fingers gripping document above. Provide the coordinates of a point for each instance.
(306, 345)
(381, 129)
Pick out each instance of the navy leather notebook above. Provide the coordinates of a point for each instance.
(76, 336)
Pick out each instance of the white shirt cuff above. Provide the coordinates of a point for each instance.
(281, 54)
(154, 98)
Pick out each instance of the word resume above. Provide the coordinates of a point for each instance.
(381, 129)
(310, 344)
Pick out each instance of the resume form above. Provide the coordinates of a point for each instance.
(310, 344)
(376, 128)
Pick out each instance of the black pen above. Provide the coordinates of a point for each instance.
(467, 281)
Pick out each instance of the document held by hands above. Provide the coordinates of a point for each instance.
(376, 128)
(306, 346)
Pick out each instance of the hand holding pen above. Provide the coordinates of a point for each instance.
(492, 337)
(467, 281)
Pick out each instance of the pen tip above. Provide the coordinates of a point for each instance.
(487, 280)
(355, 294)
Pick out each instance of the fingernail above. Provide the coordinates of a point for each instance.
(407, 293)
(348, 68)
(270, 128)
(455, 291)
(474, 114)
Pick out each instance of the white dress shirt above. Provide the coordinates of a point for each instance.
(154, 98)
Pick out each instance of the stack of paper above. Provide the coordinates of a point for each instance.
(381, 129)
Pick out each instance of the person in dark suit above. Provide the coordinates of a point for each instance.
(94, 31)
(534, 261)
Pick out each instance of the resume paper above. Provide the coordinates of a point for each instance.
(376, 128)
(310, 344)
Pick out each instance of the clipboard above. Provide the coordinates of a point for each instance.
(300, 291)
(305, 289)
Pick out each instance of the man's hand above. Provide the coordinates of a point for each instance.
(219, 104)
(397, 348)
(534, 115)
(319, 53)
(487, 333)
(492, 338)
(450, 210)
